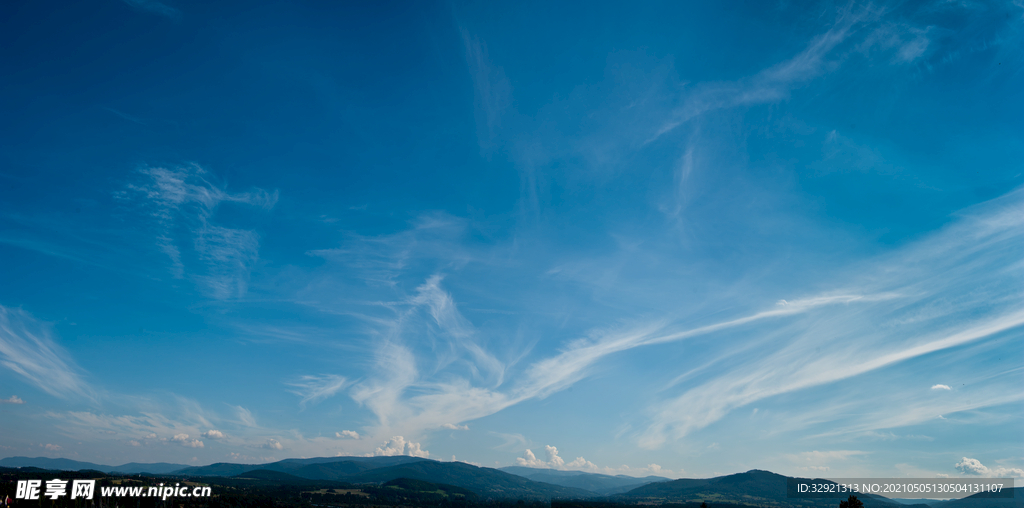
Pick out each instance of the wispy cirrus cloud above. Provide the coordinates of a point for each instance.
(856, 29)
(182, 201)
(773, 83)
(245, 417)
(492, 90)
(317, 388)
(408, 399)
(28, 348)
(145, 428)
(884, 312)
(969, 257)
(183, 423)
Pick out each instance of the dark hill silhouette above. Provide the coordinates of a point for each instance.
(424, 479)
(154, 468)
(427, 487)
(332, 470)
(275, 477)
(219, 469)
(484, 482)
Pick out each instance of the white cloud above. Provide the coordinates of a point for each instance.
(51, 447)
(1007, 472)
(399, 446)
(582, 464)
(971, 466)
(272, 444)
(554, 461)
(941, 387)
(452, 426)
(28, 349)
(317, 388)
(530, 460)
(184, 440)
(347, 434)
(414, 450)
(213, 434)
(975, 467)
(13, 400)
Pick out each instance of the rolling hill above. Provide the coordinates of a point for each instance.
(754, 488)
(327, 468)
(484, 482)
(74, 465)
(984, 500)
(598, 483)
(420, 477)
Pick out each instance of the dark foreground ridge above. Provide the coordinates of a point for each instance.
(372, 482)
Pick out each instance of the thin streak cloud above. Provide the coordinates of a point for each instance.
(316, 388)
(182, 202)
(28, 349)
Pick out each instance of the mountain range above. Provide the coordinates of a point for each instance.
(752, 488)
(74, 465)
(597, 483)
(764, 488)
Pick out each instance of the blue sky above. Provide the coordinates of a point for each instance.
(664, 238)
